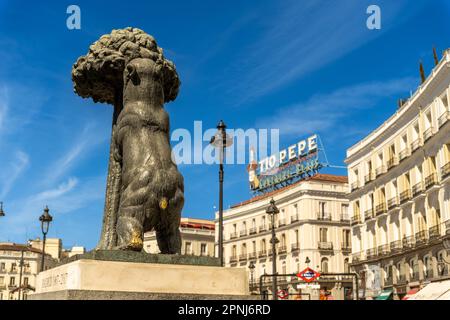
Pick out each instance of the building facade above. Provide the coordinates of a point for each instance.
(400, 193)
(313, 223)
(16, 278)
(197, 238)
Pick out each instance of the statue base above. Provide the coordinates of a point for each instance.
(92, 277)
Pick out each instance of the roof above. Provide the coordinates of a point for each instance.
(317, 177)
(18, 247)
(197, 224)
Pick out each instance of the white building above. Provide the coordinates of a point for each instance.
(313, 222)
(400, 199)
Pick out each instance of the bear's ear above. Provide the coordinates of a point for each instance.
(132, 74)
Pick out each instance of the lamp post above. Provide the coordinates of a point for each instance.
(45, 220)
(221, 141)
(252, 270)
(2, 213)
(21, 265)
(272, 210)
(307, 261)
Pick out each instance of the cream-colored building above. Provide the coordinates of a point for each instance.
(197, 238)
(313, 222)
(400, 192)
(53, 246)
(14, 276)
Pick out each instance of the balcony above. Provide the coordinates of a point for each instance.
(428, 133)
(396, 246)
(401, 280)
(233, 259)
(371, 254)
(392, 203)
(243, 233)
(281, 222)
(416, 144)
(295, 247)
(262, 228)
(444, 118)
(282, 249)
(380, 170)
(243, 257)
(414, 277)
(346, 247)
(388, 282)
(405, 196)
(252, 256)
(12, 287)
(294, 218)
(368, 214)
(405, 153)
(355, 186)
(367, 179)
(431, 180)
(355, 220)
(383, 250)
(325, 246)
(356, 257)
(324, 216)
(417, 189)
(2, 287)
(345, 218)
(421, 237)
(262, 253)
(445, 171)
(392, 162)
(233, 235)
(380, 209)
(408, 243)
(253, 231)
(434, 232)
(428, 274)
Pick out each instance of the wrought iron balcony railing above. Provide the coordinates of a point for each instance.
(431, 180)
(445, 171)
(428, 133)
(324, 216)
(356, 257)
(346, 247)
(355, 220)
(392, 162)
(416, 144)
(326, 246)
(262, 228)
(371, 254)
(380, 209)
(262, 253)
(233, 259)
(380, 170)
(233, 235)
(281, 222)
(408, 242)
(282, 249)
(434, 232)
(421, 237)
(396, 246)
(294, 218)
(243, 257)
(392, 203)
(368, 214)
(243, 233)
(295, 247)
(444, 118)
(404, 154)
(383, 250)
(355, 186)
(345, 218)
(405, 196)
(253, 231)
(417, 189)
(252, 255)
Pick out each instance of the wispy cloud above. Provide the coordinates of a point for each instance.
(3, 106)
(304, 36)
(16, 168)
(325, 111)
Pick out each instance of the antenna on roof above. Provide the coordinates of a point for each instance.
(436, 59)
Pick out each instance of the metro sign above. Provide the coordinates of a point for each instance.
(308, 275)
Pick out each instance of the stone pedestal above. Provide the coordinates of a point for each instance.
(94, 279)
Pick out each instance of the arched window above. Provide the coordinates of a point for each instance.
(263, 245)
(324, 265)
(283, 267)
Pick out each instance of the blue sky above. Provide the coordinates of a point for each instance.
(301, 66)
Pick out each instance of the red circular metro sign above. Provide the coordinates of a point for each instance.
(308, 275)
(282, 294)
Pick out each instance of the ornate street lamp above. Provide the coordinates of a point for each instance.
(221, 141)
(272, 210)
(45, 220)
(252, 270)
(307, 261)
(2, 213)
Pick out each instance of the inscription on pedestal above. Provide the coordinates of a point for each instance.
(54, 280)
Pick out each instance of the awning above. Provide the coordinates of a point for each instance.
(385, 295)
(410, 293)
(433, 291)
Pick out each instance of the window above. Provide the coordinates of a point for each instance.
(296, 237)
(254, 246)
(188, 248)
(344, 209)
(324, 265)
(2, 266)
(346, 266)
(263, 245)
(322, 207)
(296, 209)
(323, 234)
(2, 281)
(283, 268)
(244, 249)
(203, 247)
(12, 281)
(25, 281)
(13, 267)
(346, 238)
(234, 251)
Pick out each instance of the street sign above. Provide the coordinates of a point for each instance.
(282, 294)
(308, 275)
(308, 286)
